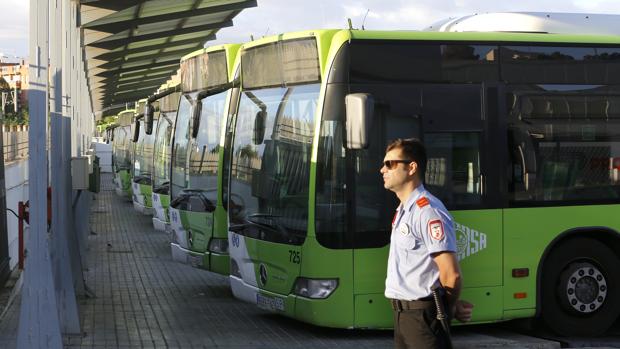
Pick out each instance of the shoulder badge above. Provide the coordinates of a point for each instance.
(421, 202)
(435, 229)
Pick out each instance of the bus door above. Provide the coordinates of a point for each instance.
(463, 171)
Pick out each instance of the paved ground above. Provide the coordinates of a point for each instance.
(145, 300)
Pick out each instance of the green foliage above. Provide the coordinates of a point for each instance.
(11, 117)
(19, 118)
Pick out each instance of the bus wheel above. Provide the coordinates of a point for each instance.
(581, 288)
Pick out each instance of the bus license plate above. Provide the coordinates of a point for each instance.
(269, 303)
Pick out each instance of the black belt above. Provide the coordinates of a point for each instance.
(422, 303)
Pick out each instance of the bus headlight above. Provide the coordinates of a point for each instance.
(218, 245)
(315, 288)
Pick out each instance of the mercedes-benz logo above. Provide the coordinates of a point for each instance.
(263, 274)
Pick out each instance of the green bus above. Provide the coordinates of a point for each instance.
(142, 162)
(160, 177)
(523, 140)
(122, 153)
(198, 218)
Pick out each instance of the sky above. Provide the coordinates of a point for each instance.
(278, 16)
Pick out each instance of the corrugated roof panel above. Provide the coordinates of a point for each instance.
(133, 46)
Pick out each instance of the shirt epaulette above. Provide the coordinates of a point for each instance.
(421, 202)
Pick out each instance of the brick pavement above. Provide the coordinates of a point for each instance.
(145, 300)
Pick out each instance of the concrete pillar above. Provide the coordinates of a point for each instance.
(39, 325)
(62, 259)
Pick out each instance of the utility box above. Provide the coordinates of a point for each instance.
(94, 179)
(79, 172)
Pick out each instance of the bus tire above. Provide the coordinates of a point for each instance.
(581, 288)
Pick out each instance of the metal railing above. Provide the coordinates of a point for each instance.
(15, 145)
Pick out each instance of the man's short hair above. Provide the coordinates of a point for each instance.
(412, 149)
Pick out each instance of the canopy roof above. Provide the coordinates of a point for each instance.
(132, 47)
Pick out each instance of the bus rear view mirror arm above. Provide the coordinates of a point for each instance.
(359, 114)
(136, 131)
(149, 110)
(196, 118)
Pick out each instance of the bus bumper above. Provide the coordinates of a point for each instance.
(120, 192)
(140, 206)
(263, 299)
(185, 256)
(158, 224)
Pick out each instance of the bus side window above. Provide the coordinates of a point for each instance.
(523, 158)
(453, 167)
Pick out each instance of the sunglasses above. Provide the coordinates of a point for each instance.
(390, 164)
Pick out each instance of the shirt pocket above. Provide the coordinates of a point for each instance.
(409, 242)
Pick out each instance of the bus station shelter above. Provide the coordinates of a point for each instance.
(89, 58)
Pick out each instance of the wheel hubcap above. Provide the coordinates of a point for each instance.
(586, 289)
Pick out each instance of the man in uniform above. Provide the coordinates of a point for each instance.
(422, 253)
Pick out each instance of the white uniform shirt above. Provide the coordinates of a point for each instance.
(421, 227)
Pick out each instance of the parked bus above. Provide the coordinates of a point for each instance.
(179, 157)
(122, 153)
(202, 240)
(523, 139)
(142, 162)
(161, 158)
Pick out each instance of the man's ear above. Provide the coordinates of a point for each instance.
(413, 168)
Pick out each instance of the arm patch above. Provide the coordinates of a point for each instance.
(435, 229)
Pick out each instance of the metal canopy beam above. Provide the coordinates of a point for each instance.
(114, 43)
(170, 45)
(116, 5)
(170, 63)
(116, 27)
(130, 77)
(138, 43)
(128, 63)
(142, 82)
(128, 90)
(130, 97)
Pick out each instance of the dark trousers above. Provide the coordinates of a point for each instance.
(419, 329)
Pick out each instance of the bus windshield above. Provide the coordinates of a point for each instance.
(143, 165)
(123, 160)
(204, 152)
(161, 158)
(271, 163)
(178, 178)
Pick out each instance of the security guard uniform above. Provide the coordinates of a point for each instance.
(421, 227)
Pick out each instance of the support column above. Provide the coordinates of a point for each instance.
(39, 326)
(65, 276)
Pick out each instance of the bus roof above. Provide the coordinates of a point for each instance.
(532, 22)
(482, 37)
(223, 47)
(193, 75)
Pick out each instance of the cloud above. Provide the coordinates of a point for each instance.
(278, 16)
(14, 27)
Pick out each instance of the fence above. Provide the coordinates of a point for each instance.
(15, 143)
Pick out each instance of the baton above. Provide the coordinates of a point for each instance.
(441, 316)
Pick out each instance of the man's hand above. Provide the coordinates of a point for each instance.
(463, 310)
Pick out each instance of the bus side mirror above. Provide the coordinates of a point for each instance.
(148, 118)
(196, 119)
(359, 114)
(259, 127)
(136, 131)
